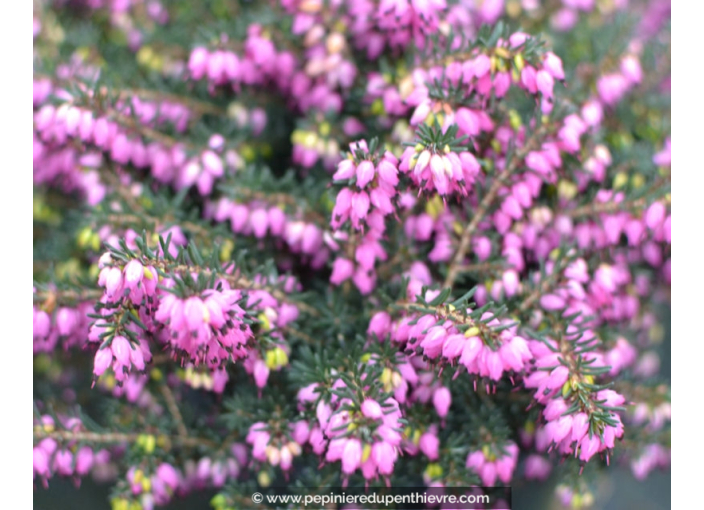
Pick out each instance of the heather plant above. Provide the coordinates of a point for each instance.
(330, 243)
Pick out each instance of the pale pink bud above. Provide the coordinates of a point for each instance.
(276, 220)
(371, 409)
(198, 62)
(259, 221)
(559, 429)
(580, 425)
(453, 346)
(134, 271)
(384, 455)
(545, 83)
(537, 467)
(517, 39)
(342, 269)
(286, 459)
(422, 162)
(301, 432)
(655, 215)
(442, 399)
(433, 341)
(231, 65)
(488, 474)
(41, 324)
(472, 347)
(553, 65)
(63, 462)
(482, 248)
(212, 163)
(558, 377)
(194, 313)
(121, 350)
(41, 461)
(552, 302)
(365, 173)
(168, 474)
(388, 172)
(137, 358)
(351, 456)
(504, 468)
(345, 170)
(429, 444)
(630, 67)
(588, 447)
(529, 79)
(554, 409)
(481, 65)
(360, 207)
(102, 361)
(216, 66)
(379, 325)
(475, 461)
(84, 460)
(502, 82)
(113, 281)
(261, 373)
(312, 239)
(468, 121)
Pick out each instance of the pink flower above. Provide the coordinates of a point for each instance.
(121, 350)
(553, 65)
(384, 456)
(442, 399)
(103, 359)
(537, 467)
(429, 444)
(545, 83)
(351, 456)
(630, 67)
(342, 270)
(365, 173)
(359, 203)
(379, 325)
(134, 272)
(345, 170)
(552, 302)
(371, 409)
(261, 373)
(198, 62)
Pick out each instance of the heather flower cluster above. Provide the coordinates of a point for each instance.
(350, 244)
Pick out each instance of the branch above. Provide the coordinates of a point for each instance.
(612, 207)
(487, 202)
(51, 298)
(174, 410)
(481, 267)
(119, 437)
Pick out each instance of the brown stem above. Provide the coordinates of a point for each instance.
(487, 267)
(174, 410)
(118, 437)
(67, 296)
(487, 202)
(147, 132)
(198, 106)
(605, 207)
(300, 334)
